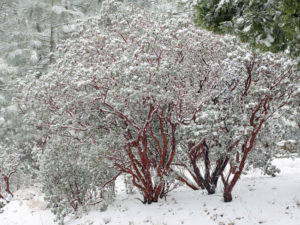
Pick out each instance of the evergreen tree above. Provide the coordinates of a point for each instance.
(267, 24)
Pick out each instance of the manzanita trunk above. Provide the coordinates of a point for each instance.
(209, 176)
(7, 179)
(151, 154)
(227, 196)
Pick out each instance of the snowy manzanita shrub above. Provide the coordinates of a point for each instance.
(125, 83)
(74, 176)
(144, 88)
(254, 88)
(9, 163)
(16, 167)
(267, 88)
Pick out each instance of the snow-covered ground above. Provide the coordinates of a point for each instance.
(257, 199)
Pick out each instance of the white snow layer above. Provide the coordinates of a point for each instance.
(257, 199)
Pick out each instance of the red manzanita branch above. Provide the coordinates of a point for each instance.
(228, 185)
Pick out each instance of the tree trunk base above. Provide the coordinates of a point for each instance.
(211, 192)
(227, 197)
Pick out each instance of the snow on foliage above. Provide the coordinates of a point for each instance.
(267, 25)
(151, 93)
(9, 162)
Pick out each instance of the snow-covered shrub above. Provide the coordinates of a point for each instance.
(9, 163)
(73, 176)
(254, 88)
(126, 82)
(145, 88)
(16, 168)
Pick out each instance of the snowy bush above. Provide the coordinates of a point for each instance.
(73, 177)
(125, 82)
(16, 168)
(255, 87)
(143, 89)
(9, 163)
